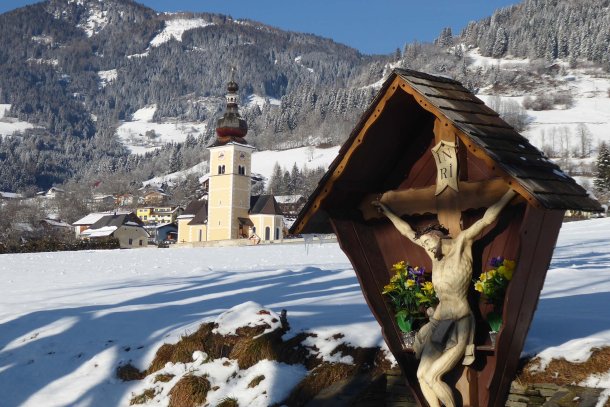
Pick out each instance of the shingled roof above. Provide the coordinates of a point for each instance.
(539, 180)
(198, 211)
(264, 205)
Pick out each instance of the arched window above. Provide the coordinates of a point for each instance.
(277, 233)
(267, 233)
(220, 169)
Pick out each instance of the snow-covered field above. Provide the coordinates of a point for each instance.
(68, 320)
(175, 28)
(10, 125)
(133, 133)
(264, 161)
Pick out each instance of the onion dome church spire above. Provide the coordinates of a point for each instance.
(231, 126)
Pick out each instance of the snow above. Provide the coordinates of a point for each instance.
(175, 28)
(107, 76)
(479, 60)
(100, 232)
(70, 319)
(11, 125)
(10, 195)
(246, 314)
(170, 179)
(133, 133)
(91, 218)
(298, 59)
(260, 101)
(264, 161)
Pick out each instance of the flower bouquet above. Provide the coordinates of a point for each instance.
(410, 295)
(492, 285)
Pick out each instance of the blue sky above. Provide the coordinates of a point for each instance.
(371, 26)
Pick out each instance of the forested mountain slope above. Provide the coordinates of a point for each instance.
(73, 71)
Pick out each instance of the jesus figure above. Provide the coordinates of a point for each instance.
(448, 337)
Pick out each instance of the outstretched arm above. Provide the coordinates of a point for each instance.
(490, 216)
(403, 227)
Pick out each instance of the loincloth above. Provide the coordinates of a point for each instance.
(442, 335)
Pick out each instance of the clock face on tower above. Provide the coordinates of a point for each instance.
(242, 156)
(221, 156)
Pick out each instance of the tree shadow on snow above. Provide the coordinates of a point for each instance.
(133, 329)
(561, 319)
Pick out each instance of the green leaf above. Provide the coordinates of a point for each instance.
(404, 322)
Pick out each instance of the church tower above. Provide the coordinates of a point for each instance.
(230, 165)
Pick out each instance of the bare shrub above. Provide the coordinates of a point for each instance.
(510, 111)
(548, 101)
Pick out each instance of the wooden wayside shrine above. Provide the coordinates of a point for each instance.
(433, 152)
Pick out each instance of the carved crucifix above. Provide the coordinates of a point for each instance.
(451, 259)
(450, 196)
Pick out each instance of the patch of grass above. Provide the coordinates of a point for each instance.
(182, 352)
(148, 394)
(129, 372)
(228, 402)
(562, 372)
(163, 377)
(321, 377)
(190, 391)
(256, 381)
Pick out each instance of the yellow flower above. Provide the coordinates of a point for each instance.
(427, 287)
(509, 264)
(410, 283)
(389, 288)
(395, 278)
(399, 266)
(478, 286)
(506, 272)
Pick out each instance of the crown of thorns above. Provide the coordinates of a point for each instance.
(435, 227)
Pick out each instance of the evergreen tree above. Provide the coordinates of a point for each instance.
(602, 177)
(275, 181)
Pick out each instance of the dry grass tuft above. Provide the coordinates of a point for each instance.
(256, 381)
(182, 351)
(129, 372)
(164, 377)
(562, 372)
(190, 391)
(148, 394)
(228, 402)
(320, 378)
(326, 374)
(249, 352)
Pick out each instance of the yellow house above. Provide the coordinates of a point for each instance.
(192, 224)
(158, 214)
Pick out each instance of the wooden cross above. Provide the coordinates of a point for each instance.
(449, 197)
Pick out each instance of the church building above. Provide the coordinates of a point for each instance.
(230, 211)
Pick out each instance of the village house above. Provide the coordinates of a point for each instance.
(290, 205)
(161, 214)
(123, 199)
(230, 211)
(162, 233)
(153, 196)
(87, 221)
(127, 228)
